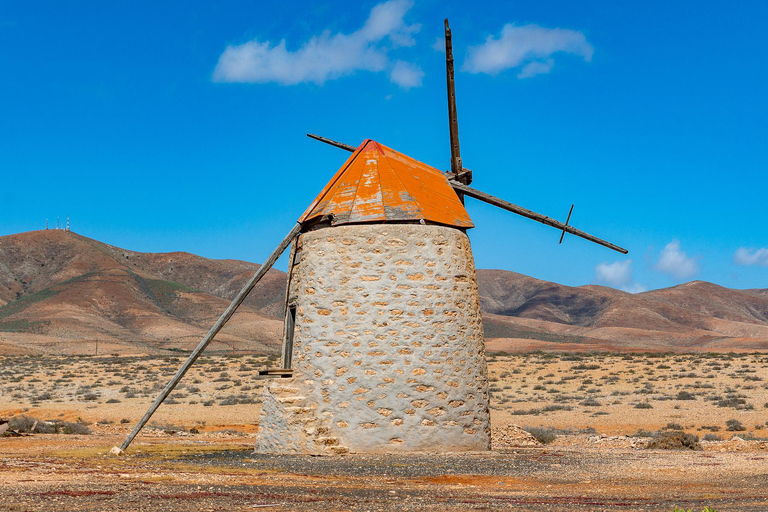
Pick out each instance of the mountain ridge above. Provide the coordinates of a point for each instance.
(61, 291)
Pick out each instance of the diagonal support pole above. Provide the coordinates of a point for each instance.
(211, 334)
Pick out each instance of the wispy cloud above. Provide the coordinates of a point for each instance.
(528, 46)
(328, 56)
(749, 256)
(676, 263)
(439, 44)
(635, 288)
(618, 275)
(406, 75)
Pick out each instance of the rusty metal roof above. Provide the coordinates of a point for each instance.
(378, 184)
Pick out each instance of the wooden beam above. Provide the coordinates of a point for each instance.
(453, 122)
(341, 145)
(506, 205)
(212, 333)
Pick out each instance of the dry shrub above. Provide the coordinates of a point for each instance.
(675, 441)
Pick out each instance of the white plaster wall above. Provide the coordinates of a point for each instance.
(388, 346)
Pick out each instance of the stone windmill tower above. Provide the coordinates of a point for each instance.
(383, 341)
(383, 328)
(383, 331)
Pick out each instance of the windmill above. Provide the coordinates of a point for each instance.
(383, 347)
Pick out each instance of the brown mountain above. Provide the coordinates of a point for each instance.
(62, 292)
(691, 316)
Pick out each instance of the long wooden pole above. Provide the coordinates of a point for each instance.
(212, 333)
(511, 207)
(453, 123)
(341, 145)
(461, 188)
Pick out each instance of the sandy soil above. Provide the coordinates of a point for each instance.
(213, 472)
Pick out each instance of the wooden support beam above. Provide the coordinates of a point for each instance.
(212, 333)
(341, 145)
(506, 205)
(453, 122)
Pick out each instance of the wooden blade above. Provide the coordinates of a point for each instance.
(453, 123)
(341, 145)
(506, 205)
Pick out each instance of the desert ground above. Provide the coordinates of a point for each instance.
(592, 417)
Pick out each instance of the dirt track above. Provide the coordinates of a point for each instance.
(49, 472)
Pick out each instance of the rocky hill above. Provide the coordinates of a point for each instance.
(64, 293)
(523, 313)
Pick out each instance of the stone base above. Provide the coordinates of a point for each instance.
(289, 424)
(388, 351)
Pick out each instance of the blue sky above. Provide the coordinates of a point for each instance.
(163, 126)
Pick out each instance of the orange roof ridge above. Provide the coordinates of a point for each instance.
(379, 184)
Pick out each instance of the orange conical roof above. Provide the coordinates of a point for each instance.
(378, 184)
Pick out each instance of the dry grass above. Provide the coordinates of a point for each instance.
(608, 393)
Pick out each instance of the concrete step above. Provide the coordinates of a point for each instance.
(337, 449)
(299, 410)
(295, 399)
(279, 388)
(307, 421)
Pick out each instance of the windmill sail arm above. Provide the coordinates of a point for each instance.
(338, 144)
(506, 205)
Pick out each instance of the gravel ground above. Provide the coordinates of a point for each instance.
(50, 473)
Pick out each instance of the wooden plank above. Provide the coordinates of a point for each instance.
(453, 122)
(506, 205)
(212, 333)
(341, 145)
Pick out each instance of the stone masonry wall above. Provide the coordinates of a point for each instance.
(388, 351)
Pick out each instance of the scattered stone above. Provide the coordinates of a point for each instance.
(511, 436)
(116, 451)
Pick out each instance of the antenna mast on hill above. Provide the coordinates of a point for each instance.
(46, 224)
(67, 229)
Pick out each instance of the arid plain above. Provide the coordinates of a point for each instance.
(594, 412)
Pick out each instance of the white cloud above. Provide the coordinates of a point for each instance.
(614, 274)
(618, 275)
(676, 263)
(536, 68)
(747, 257)
(529, 46)
(406, 75)
(635, 288)
(327, 56)
(439, 45)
